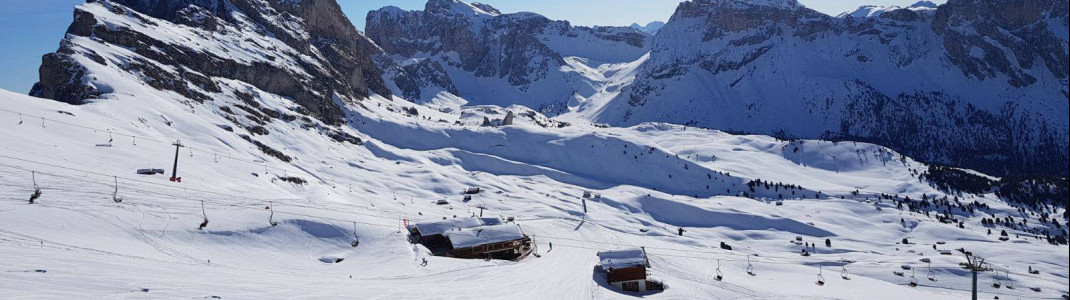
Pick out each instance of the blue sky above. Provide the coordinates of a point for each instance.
(31, 28)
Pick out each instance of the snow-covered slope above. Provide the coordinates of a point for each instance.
(980, 84)
(486, 57)
(358, 168)
(647, 177)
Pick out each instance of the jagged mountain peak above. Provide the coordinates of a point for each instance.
(924, 4)
(457, 7)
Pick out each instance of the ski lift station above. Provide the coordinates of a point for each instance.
(627, 270)
(485, 238)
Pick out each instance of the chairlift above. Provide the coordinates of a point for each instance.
(750, 267)
(820, 277)
(844, 274)
(110, 137)
(913, 280)
(43, 122)
(36, 189)
(932, 275)
(115, 194)
(719, 276)
(1007, 279)
(271, 217)
(356, 239)
(995, 282)
(205, 214)
(20, 118)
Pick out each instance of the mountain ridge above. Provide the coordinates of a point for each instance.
(737, 66)
(966, 84)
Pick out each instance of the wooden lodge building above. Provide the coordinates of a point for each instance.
(485, 238)
(627, 270)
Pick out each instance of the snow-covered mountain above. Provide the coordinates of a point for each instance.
(302, 160)
(873, 11)
(304, 50)
(487, 57)
(980, 84)
(651, 28)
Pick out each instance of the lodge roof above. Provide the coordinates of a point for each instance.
(476, 236)
(625, 258)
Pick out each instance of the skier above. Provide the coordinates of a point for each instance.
(424, 263)
(681, 230)
(551, 247)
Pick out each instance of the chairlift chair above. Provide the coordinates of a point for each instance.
(356, 239)
(913, 280)
(719, 276)
(820, 277)
(115, 194)
(205, 214)
(1007, 280)
(36, 189)
(271, 217)
(995, 282)
(932, 275)
(844, 274)
(750, 268)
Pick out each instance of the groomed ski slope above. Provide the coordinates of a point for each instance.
(148, 246)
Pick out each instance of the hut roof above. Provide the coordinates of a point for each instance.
(472, 237)
(441, 227)
(626, 258)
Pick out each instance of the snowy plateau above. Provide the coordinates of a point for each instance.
(267, 149)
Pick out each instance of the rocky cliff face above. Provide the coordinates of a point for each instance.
(974, 83)
(305, 50)
(476, 52)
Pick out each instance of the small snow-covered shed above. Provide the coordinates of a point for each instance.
(626, 269)
(491, 242)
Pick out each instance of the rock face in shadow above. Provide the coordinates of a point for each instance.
(305, 50)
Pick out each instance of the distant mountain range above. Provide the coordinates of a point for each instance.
(973, 83)
(651, 28)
